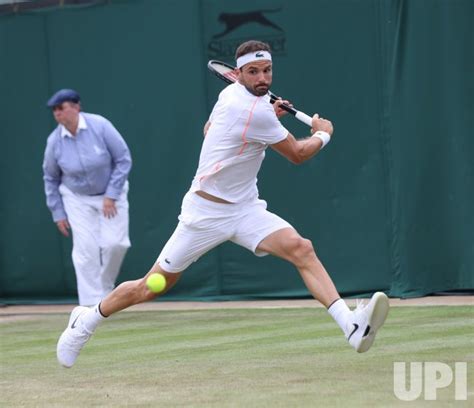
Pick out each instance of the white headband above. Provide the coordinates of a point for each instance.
(253, 56)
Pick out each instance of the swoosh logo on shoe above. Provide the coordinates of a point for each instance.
(356, 327)
(73, 325)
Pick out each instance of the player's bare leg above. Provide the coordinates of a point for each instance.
(84, 320)
(134, 292)
(360, 325)
(289, 245)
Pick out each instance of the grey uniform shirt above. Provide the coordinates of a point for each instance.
(94, 161)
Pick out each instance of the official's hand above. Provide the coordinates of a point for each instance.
(109, 208)
(279, 111)
(321, 124)
(63, 227)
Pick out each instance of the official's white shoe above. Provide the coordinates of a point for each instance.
(366, 320)
(73, 338)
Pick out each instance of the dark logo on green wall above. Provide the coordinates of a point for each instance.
(241, 27)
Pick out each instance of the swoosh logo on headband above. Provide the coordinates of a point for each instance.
(259, 55)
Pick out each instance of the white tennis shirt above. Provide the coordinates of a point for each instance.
(242, 127)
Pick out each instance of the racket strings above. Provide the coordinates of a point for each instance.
(231, 75)
(225, 70)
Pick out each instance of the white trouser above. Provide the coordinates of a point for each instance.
(99, 243)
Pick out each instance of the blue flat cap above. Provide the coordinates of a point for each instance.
(63, 95)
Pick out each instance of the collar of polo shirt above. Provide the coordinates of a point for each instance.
(81, 125)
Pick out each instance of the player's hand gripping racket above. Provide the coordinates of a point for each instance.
(226, 73)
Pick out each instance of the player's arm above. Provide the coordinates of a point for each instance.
(299, 151)
(206, 127)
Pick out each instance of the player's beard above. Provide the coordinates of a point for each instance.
(261, 89)
(258, 90)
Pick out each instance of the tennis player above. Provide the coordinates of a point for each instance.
(223, 205)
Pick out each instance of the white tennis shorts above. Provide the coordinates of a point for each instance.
(204, 224)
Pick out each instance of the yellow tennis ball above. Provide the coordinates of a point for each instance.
(156, 282)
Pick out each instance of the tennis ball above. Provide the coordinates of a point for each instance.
(156, 282)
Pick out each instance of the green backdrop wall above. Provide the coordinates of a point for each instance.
(387, 204)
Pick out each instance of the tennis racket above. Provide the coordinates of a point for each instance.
(226, 73)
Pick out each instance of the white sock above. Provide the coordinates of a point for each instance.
(341, 313)
(92, 318)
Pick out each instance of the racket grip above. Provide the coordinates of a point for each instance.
(303, 117)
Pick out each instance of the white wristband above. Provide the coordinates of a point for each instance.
(323, 136)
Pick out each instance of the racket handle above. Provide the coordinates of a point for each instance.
(303, 117)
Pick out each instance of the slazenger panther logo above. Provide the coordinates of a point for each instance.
(257, 24)
(233, 21)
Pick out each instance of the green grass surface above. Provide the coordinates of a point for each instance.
(229, 358)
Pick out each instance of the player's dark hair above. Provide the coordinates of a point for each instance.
(251, 46)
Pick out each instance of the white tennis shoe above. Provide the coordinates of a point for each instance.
(73, 338)
(366, 320)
